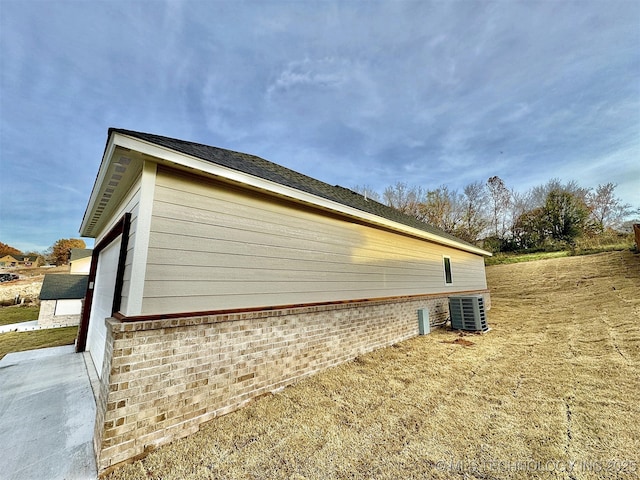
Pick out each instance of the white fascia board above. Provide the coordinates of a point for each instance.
(184, 160)
(102, 172)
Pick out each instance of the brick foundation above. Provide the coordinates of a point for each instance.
(47, 317)
(161, 379)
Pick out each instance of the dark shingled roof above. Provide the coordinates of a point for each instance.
(22, 258)
(267, 170)
(78, 253)
(63, 287)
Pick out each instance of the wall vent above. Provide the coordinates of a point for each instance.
(467, 313)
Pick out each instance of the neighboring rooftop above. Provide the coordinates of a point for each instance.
(259, 167)
(21, 257)
(80, 253)
(63, 287)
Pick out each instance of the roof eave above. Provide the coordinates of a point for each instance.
(102, 171)
(172, 157)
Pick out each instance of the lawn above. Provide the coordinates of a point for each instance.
(18, 313)
(552, 391)
(506, 258)
(34, 339)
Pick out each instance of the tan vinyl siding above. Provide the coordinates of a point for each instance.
(213, 246)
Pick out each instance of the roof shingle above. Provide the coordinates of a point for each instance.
(80, 253)
(63, 287)
(267, 170)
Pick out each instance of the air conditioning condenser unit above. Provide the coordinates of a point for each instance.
(467, 313)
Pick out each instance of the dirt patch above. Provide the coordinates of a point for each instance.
(460, 341)
(552, 391)
(29, 284)
(27, 288)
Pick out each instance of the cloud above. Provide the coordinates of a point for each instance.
(351, 92)
(325, 73)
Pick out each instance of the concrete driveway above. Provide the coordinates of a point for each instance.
(47, 413)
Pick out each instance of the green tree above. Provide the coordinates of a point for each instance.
(530, 229)
(566, 215)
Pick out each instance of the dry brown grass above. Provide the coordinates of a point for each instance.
(556, 380)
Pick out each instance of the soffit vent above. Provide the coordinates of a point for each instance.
(117, 171)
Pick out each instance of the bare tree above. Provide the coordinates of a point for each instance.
(500, 199)
(538, 195)
(367, 192)
(473, 211)
(405, 198)
(521, 205)
(607, 210)
(442, 208)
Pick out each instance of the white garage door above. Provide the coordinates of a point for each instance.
(103, 292)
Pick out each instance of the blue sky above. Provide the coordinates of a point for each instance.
(352, 93)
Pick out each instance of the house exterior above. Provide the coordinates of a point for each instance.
(19, 261)
(80, 261)
(218, 276)
(8, 261)
(61, 299)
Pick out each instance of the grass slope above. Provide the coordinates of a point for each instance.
(502, 258)
(555, 381)
(34, 339)
(18, 313)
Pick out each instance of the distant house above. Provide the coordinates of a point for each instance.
(61, 299)
(19, 261)
(80, 261)
(218, 276)
(8, 261)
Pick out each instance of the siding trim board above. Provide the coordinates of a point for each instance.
(233, 311)
(140, 243)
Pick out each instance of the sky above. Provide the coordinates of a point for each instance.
(348, 92)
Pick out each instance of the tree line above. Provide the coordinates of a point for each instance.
(548, 216)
